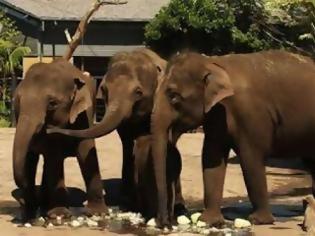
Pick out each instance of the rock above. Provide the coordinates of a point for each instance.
(27, 225)
(241, 223)
(183, 220)
(201, 224)
(194, 217)
(151, 223)
(75, 223)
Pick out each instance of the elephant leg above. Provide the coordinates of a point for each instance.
(143, 178)
(44, 194)
(214, 161)
(179, 207)
(29, 202)
(128, 185)
(179, 204)
(216, 147)
(87, 158)
(54, 186)
(253, 167)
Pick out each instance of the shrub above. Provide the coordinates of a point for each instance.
(225, 26)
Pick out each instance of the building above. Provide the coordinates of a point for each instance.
(113, 28)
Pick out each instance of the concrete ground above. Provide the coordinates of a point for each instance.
(287, 187)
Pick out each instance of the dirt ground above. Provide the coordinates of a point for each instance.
(287, 187)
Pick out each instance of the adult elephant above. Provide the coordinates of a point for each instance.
(258, 104)
(55, 94)
(128, 89)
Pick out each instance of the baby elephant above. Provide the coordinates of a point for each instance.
(145, 179)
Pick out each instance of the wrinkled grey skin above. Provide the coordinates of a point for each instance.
(128, 89)
(55, 94)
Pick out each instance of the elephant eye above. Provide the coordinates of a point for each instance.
(52, 104)
(174, 97)
(139, 93)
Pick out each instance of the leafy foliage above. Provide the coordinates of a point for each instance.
(295, 19)
(11, 54)
(225, 26)
(9, 31)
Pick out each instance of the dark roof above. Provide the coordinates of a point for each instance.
(134, 10)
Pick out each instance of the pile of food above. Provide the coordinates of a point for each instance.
(117, 221)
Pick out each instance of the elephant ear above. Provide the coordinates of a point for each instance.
(82, 99)
(217, 86)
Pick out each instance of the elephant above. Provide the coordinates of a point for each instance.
(128, 89)
(56, 94)
(145, 180)
(258, 104)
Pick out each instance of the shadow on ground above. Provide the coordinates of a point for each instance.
(76, 197)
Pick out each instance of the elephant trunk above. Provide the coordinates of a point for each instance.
(25, 130)
(162, 117)
(113, 117)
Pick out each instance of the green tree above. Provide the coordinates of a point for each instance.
(11, 54)
(295, 21)
(209, 26)
(225, 26)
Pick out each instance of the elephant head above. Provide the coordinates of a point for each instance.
(193, 84)
(127, 88)
(51, 94)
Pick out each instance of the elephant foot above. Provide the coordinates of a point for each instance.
(28, 214)
(128, 203)
(93, 208)
(261, 218)
(215, 219)
(164, 222)
(180, 209)
(62, 212)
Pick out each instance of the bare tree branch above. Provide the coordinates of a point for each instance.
(81, 29)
